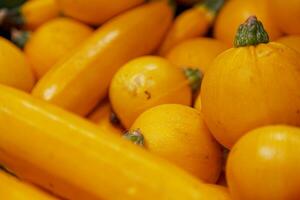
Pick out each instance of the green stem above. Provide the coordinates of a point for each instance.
(251, 33)
(212, 5)
(195, 78)
(135, 136)
(19, 37)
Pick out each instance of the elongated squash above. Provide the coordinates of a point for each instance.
(191, 23)
(31, 14)
(78, 82)
(14, 189)
(76, 160)
(95, 11)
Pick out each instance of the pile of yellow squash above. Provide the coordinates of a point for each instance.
(144, 100)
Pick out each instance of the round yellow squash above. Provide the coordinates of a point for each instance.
(254, 84)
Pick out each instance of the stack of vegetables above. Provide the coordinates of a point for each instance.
(143, 100)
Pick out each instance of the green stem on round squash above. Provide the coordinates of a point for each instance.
(135, 136)
(251, 33)
(194, 77)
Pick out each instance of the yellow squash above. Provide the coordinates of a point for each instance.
(75, 159)
(174, 131)
(256, 83)
(105, 119)
(265, 164)
(32, 14)
(78, 82)
(146, 82)
(95, 11)
(54, 40)
(292, 41)
(15, 71)
(13, 189)
(196, 53)
(191, 23)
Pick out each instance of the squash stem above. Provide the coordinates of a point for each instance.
(251, 33)
(194, 77)
(135, 136)
(20, 38)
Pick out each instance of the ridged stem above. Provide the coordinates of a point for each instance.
(251, 33)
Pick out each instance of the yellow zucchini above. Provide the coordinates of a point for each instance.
(81, 80)
(13, 189)
(95, 11)
(75, 159)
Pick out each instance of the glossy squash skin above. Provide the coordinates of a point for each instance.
(76, 160)
(36, 13)
(292, 41)
(174, 131)
(95, 11)
(81, 80)
(286, 14)
(146, 82)
(251, 86)
(264, 164)
(235, 12)
(52, 41)
(13, 189)
(196, 53)
(105, 119)
(15, 70)
(191, 23)
(246, 96)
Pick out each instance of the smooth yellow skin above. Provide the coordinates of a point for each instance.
(196, 53)
(264, 165)
(73, 158)
(37, 12)
(95, 11)
(15, 70)
(14, 189)
(101, 117)
(54, 40)
(144, 83)
(249, 87)
(198, 104)
(292, 41)
(191, 23)
(80, 81)
(178, 133)
(286, 14)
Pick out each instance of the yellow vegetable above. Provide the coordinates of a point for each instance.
(54, 40)
(191, 23)
(80, 81)
(95, 11)
(15, 71)
(32, 14)
(13, 189)
(75, 159)
(106, 119)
